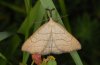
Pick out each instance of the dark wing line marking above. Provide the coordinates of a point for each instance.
(46, 44)
(48, 40)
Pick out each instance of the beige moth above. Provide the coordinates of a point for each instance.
(51, 38)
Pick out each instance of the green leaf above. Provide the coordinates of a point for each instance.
(4, 35)
(28, 5)
(49, 4)
(3, 60)
(35, 16)
(52, 62)
(2, 56)
(64, 12)
(15, 42)
(76, 58)
(44, 63)
(9, 50)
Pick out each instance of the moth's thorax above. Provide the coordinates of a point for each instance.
(51, 22)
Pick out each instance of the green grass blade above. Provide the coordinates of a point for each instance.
(14, 43)
(4, 35)
(32, 63)
(4, 60)
(49, 4)
(32, 18)
(2, 56)
(64, 12)
(76, 58)
(13, 7)
(25, 58)
(28, 5)
(26, 25)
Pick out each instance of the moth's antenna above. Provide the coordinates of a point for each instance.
(49, 11)
(63, 16)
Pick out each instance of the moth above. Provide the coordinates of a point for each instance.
(51, 38)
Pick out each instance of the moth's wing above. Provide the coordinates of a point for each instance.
(63, 41)
(38, 41)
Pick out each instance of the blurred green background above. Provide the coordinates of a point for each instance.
(81, 16)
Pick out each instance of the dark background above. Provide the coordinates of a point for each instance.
(84, 20)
